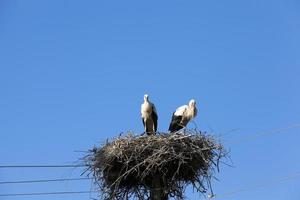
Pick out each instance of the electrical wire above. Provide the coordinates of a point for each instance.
(258, 185)
(269, 132)
(41, 166)
(47, 193)
(44, 180)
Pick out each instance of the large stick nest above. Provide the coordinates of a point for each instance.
(126, 166)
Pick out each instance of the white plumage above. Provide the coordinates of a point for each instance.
(149, 116)
(182, 116)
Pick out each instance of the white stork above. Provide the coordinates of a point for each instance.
(149, 116)
(182, 116)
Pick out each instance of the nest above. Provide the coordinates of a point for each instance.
(142, 166)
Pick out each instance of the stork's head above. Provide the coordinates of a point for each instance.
(192, 103)
(146, 97)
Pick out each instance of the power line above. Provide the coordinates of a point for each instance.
(47, 193)
(264, 184)
(44, 180)
(264, 133)
(256, 186)
(41, 166)
(259, 185)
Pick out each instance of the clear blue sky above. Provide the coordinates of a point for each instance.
(73, 73)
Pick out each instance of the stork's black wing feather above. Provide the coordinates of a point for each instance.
(154, 118)
(143, 122)
(175, 123)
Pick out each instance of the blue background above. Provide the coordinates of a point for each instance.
(73, 73)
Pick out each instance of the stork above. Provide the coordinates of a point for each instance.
(182, 116)
(149, 116)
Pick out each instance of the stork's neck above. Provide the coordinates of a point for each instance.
(191, 112)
